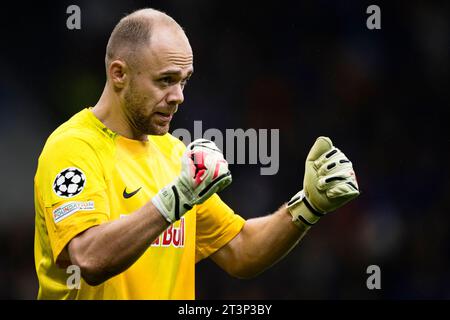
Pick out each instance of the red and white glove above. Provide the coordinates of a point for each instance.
(204, 171)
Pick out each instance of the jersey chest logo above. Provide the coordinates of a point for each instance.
(127, 195)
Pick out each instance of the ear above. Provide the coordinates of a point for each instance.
(118, 73)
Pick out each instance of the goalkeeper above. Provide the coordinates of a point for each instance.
(132, 209)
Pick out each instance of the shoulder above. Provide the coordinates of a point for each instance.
(76, 143)
(78, 135)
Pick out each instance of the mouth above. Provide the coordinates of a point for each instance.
(165, 117)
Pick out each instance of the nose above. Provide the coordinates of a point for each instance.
(175, 96)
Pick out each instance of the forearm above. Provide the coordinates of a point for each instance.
(261, 243)
(108, 249)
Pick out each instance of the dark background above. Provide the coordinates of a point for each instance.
(308, 68)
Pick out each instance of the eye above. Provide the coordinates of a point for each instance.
(166, 80)
(170, 80)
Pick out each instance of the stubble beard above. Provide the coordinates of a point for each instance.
(138, 116)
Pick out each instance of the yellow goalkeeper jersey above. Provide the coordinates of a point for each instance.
(88, 175)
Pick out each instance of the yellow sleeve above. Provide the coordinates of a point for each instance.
(72, 189)
(217, 224)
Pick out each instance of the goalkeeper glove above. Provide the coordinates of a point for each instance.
(328, 184)
(204, 171)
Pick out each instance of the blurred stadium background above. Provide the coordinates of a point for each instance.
(308, 68)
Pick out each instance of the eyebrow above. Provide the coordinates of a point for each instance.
(176, 72)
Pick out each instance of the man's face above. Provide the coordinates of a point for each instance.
(156, 84)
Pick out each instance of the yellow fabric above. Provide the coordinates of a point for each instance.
(111, 163)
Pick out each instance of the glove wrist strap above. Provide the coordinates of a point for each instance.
(171, 203)
(301, 210)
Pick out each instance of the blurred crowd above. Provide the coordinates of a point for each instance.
(307, 68)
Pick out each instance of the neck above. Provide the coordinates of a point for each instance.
(110, 112)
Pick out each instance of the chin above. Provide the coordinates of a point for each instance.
(159, 130)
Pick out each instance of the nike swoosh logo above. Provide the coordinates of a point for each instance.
(127, 195)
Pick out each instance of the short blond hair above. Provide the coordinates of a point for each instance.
(133, 32)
